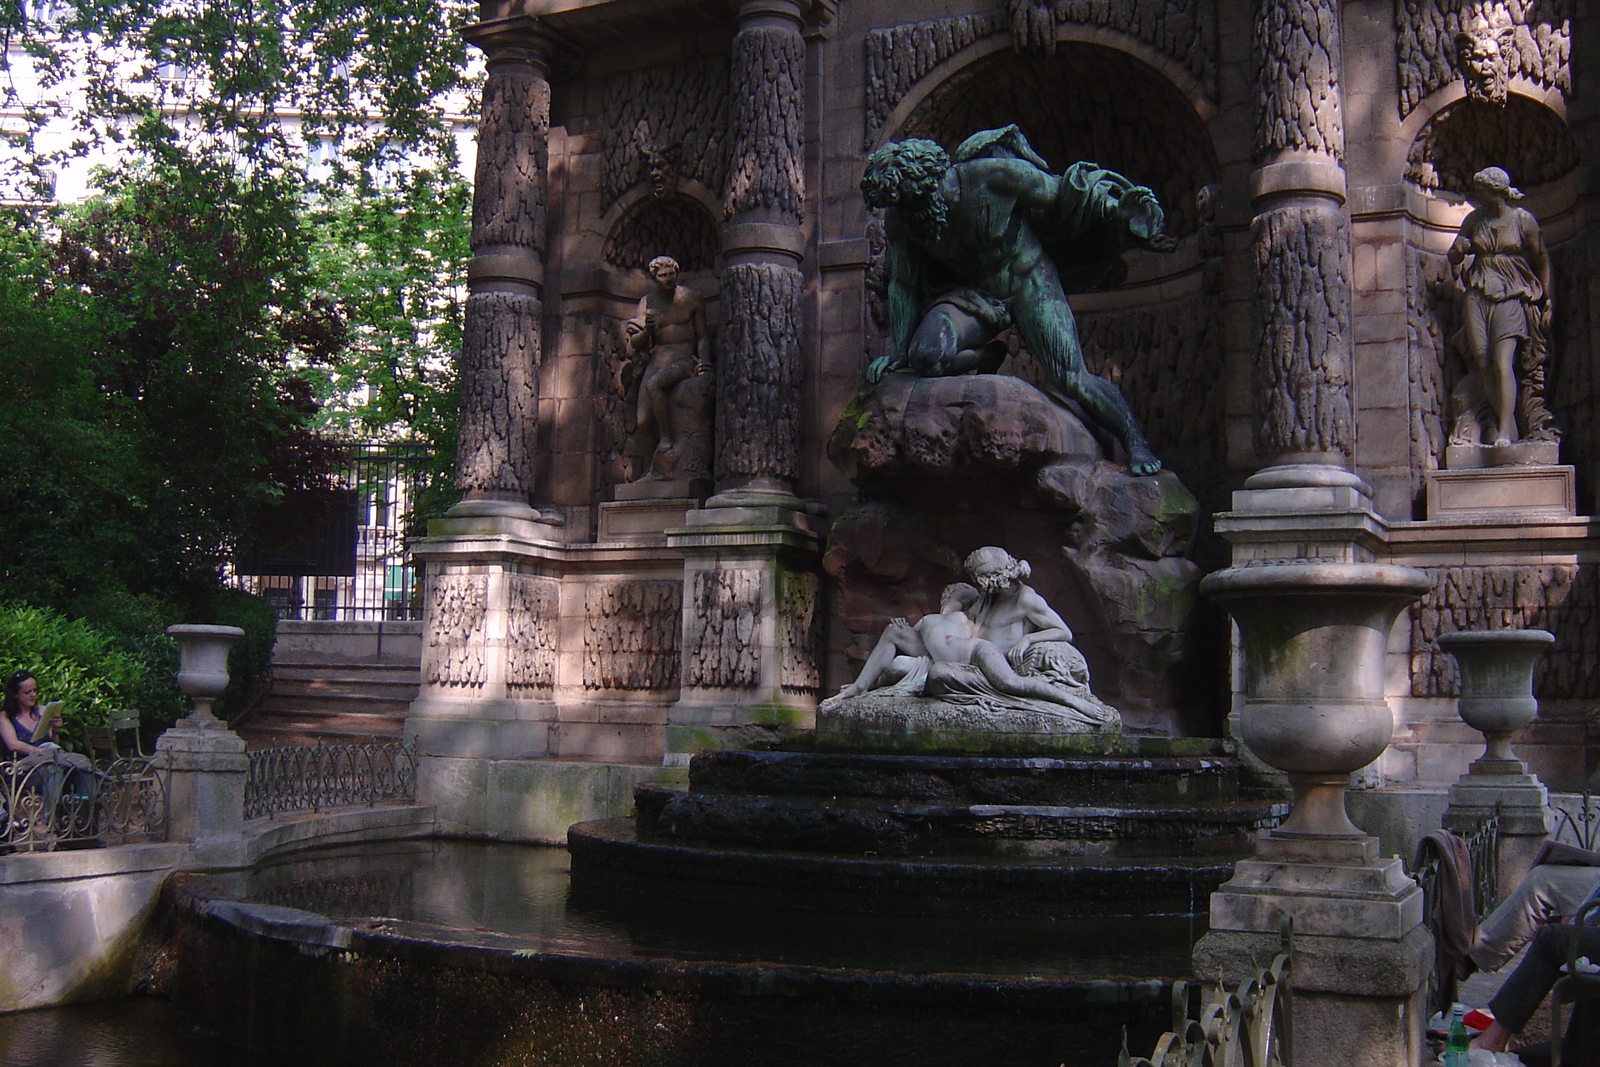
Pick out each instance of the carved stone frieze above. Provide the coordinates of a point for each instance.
(532, 618)
(1301, 325)
(616, 397)
(1533, 39)
(1525, 138)
(799, 630)
(631, 634)
(1561, 598)
(457, 614)
(1298, 53)
(508, 203)
(676, 113)
(723, 629)
(766, 168)
(758, 426)
(499, 380)
(674, 225)
(900, 56)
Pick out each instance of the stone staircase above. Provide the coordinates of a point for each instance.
(337, 682)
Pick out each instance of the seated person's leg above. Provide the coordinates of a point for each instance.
(1522, 993)
(1547, 893)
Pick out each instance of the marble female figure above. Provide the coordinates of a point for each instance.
(1506, 274)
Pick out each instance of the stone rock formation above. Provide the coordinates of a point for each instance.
(948, 464)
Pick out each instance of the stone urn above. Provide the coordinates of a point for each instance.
(1314, 637)
(203, 666)
(1497, 684)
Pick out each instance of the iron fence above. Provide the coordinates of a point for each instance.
(287, 778)
(1483, 849)
(58, 800)
(353, 561)
(1580, 827)
(1251, 1027)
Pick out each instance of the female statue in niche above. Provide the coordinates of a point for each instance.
(1505, 318)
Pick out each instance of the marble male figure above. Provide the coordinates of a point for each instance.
(670, 329)
(989, 238)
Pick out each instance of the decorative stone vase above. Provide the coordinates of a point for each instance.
(1314, 637)
(1497, 684)
(203, 666)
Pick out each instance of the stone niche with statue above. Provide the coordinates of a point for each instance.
(691, 505)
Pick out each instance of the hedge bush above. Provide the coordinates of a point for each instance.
(74, 663)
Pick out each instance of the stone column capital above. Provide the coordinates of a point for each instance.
(773, 11)
(518, 39)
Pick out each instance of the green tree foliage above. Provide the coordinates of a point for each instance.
(176, 352)
(76, 664)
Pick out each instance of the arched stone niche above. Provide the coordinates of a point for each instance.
(1086, 101)
(1525, 137)
(672, 225)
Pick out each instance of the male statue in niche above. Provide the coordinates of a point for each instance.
(669, 332)
(991, 238)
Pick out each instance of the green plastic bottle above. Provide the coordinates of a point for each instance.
(1458, 1039)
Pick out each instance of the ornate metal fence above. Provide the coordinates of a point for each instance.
(1252, 1027)
(1578, 826)
(315, 777)
(63, 801)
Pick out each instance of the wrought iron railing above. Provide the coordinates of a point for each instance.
(57, 800)
(1580, 827)
(1483, 846)
(316, 777)
(1483, 850)
(1252, 1027)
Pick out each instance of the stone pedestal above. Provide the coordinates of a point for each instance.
(1535, 491)
(489, 642)
(645, 519)
(751, 627)
(1361, 955)
(1497, 700)
(1314, 615)
(206, 766)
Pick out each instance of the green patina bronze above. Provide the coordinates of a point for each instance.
(990, 238)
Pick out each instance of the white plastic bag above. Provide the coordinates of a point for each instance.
(1482, 1057)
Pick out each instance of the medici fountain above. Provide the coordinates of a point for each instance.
(959, 506)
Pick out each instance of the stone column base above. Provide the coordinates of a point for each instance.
(1361, 956)
(206, 766)
(1522, 803)
(751, 628)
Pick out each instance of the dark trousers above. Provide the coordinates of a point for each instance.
(1523, 992)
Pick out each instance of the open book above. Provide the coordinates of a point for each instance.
(49, 719)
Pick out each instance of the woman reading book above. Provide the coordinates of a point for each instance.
(28, 732)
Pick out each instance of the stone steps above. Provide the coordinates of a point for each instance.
(898, 828)
(344, 702)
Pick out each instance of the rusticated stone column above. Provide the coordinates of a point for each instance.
(758, 383)
(1301, 310)
(750, 557)
(500, 342)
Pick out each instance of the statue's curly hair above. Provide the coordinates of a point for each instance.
(1004, 562)
(906, 175)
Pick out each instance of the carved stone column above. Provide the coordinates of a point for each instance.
(751, 555)
(758, 382)
(500, 342)
(491, 614)
(1361, 953)
(1300, 314)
